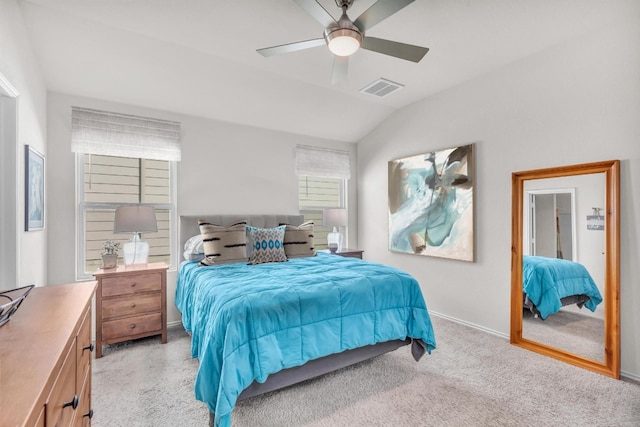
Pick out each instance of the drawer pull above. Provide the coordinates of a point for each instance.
(90, 347)
(74, 403)
(133, 326)
(133, 306)
(89, 414)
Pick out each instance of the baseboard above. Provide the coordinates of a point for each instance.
(469, 324)
(174, 324)
(630, 377)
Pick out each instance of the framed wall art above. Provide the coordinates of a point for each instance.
(34, 189)
(431, 209)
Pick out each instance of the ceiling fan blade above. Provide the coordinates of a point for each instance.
(378, 12)
(290, 47)
(316, 10)
(340, 69)
(399, 50)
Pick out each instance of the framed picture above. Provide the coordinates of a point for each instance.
(33, 189)
(431, 204)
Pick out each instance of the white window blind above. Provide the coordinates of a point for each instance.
(322, 162)
(122, 135)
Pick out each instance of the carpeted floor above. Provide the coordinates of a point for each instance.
(471, 379)
(573, 332)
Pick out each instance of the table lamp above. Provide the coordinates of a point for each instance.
(336, 217)
(135, 219)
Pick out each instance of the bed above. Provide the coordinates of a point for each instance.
(548, 284)
(258, 328)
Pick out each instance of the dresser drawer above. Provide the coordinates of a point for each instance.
(126, 285)
(131, 305)
(131, 326)
(59, 408)
(83, 418)
(83, 350)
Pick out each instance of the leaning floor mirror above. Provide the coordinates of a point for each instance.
(565, 264)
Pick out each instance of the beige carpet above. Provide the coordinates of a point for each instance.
(471, 379)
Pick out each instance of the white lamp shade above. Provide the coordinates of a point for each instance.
(336, 217)
(135, 219)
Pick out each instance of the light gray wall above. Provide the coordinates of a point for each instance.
(20, 68)
(575, 103)
(225, 169)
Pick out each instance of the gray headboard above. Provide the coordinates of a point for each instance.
(189, 223)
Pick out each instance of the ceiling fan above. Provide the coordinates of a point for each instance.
(344, 37)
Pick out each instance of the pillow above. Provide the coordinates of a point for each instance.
(266, 244)
(223, 245)
(193, 248)
(298, 240)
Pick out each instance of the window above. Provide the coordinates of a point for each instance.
(316, 194)
(122, 159)
(322, 178)
(106, 182)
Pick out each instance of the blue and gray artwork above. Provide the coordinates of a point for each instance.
(431, 204)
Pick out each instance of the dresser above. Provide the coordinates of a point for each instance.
(131, 303)
(45, 359)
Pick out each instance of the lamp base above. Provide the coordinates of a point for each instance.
(334, 241)
(135, 251)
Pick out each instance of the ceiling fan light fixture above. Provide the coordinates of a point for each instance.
(343, 41)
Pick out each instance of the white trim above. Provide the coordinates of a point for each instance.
(11, 231)
(471, 325)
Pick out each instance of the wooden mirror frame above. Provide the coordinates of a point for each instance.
(611, 170)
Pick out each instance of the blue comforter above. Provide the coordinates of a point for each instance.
(546, 280)
(249, 321)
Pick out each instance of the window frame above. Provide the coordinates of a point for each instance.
(82, 207)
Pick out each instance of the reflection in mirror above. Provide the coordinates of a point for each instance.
(552, 234)
(565, 264)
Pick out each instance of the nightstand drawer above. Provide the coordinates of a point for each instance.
(126, 285)
(131, 326)
(131, 305)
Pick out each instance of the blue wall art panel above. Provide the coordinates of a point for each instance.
(431, 204)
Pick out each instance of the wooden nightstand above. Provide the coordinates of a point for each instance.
(131, 303)
(346, 252)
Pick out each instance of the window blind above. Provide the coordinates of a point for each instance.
(123, 135)
(322, 162)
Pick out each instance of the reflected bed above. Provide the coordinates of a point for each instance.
(548, 284)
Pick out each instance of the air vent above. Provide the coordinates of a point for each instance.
(381, 88)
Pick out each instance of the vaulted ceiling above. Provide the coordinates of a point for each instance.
(198, 57)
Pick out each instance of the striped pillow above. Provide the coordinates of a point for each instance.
(223, 245)
(298, 240)
(266, 244)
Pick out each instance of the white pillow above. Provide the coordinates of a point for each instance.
(193, 248)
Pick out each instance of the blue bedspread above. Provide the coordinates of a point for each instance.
(249, 321)
(547, 280)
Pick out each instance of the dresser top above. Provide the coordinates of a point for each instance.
(131, 269)
(33, 343)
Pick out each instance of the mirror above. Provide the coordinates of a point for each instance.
(564, 264)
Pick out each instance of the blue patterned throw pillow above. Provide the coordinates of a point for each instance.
(266, 244)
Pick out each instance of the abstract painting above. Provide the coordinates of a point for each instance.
(431, 204)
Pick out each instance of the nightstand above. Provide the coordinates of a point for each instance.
(131, 303)
(346, 252)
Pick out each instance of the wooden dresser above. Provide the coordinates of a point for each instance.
(131, 303)
(45, 359)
